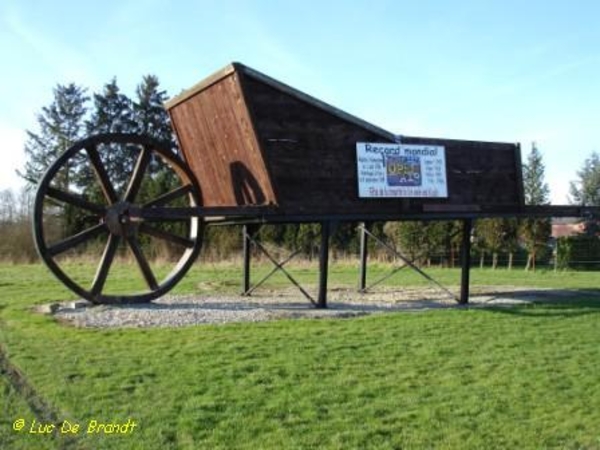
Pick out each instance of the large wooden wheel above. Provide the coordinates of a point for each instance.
(83, 218)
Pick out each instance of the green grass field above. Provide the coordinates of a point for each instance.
(524, 377)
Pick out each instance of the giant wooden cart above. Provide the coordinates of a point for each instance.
(253, 150)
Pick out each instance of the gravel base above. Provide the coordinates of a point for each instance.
(187, 310)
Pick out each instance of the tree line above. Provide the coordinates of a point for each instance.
(73, 115)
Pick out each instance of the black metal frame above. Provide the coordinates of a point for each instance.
(269, 214)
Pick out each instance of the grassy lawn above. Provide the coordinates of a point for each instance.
(523, 377)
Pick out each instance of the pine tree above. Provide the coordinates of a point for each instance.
(535, 232)
(150, 116)
(60, 124)
(586, 190)
(151, 119)
(112, 111)
(535, 187)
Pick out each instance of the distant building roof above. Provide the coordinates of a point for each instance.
(566, 227)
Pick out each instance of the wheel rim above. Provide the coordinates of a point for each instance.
(82, 209)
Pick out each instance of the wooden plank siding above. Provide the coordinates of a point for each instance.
(218, 142)
(252, 140)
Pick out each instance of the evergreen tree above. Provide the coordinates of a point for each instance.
(535, 187)
(150, 116)
(60, 125)
(151, 119)
(586, 190)
(112, 111)
(535, 232)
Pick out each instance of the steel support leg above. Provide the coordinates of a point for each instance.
(248, 232)
(362, 282)
(323, 264)
(465, 261)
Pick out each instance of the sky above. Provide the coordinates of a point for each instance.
(509, 71)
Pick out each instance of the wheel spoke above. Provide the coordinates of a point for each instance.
(75, 200)
(77, 239)
(107, 258)
(102, 175)
(142, 262)
(170, 196)
(170, 237)
(138, 175)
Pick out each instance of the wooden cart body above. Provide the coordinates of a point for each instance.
(252, 140)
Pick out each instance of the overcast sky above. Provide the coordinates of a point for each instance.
(511, 70)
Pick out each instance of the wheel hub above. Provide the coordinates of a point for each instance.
(118, 219)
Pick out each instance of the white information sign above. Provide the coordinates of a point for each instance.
(401, 170)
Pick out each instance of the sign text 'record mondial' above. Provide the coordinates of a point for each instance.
(401, 170)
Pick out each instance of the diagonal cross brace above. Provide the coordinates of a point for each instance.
(408, 263)
(278, 267)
